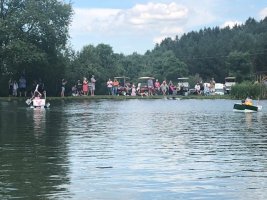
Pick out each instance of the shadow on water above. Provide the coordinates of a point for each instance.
(133, 149)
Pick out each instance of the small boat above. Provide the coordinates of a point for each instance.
(37, 103)
(240, 107)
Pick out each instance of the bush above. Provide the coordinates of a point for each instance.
(255, 90)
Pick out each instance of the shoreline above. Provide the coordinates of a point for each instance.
(96, 97)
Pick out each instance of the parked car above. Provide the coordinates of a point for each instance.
(183, 84)
(219, 89)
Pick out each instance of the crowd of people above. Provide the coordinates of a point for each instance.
(152, 87)
(148, 88)
(205, 88)
(115, 87)
(21, 89)
(81, 87)
(17, 88)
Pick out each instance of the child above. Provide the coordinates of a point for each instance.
(133, 91)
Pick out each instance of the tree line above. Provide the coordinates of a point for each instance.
(34, 40)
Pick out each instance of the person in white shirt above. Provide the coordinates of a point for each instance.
(93, 85)
(109, 86)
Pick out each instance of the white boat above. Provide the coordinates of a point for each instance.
(37, 103)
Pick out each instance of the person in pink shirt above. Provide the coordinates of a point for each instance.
(157, 86)
(109, 86)
(85, 86)
(133, 93)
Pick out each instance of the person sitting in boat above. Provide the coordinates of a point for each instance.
(37, 96)
(38, 100)
(248, 101)
(36, 93)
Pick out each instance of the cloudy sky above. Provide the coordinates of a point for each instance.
(137, 25)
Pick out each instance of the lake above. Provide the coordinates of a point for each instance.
(132, 149)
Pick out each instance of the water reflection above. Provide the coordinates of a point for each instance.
(39, 117)
(134, 149)
(33, 158)
(249, 119)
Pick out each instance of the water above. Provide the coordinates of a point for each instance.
(132, 149)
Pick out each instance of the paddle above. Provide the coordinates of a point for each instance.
(28, 101)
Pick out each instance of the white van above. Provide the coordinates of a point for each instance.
(183, 85)
(219, 89)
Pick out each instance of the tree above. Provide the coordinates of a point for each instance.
(165, 65)
(99, 61)
(33, 35)
(239, 65)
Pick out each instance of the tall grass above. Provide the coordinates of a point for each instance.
(255, 90)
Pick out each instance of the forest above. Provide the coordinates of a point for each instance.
(34, 39)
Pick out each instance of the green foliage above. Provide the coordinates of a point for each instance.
(256, 90)
(193, 80)
(99, 61)
(215, 52)
(164, 65)
(135, 65)
(33, 36)
(239, 65)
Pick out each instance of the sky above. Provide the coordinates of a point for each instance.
(135, 26)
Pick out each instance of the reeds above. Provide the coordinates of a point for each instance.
(254, 90)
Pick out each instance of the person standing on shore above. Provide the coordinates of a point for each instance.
(157, 87)
(63, 85)
(133, 90)
(212, 85)
(164, 87)
(10, 87)
(109, 86)
(150, 86)
(15, 88)
(85, 86)
(79, 88)
(93, 85)
(22, 86)
(115, 86)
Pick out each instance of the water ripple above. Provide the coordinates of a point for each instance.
(133, 149)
